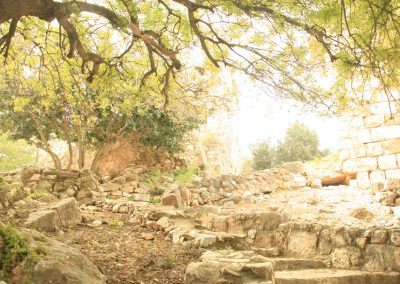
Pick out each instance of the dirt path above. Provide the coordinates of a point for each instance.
(125, 257)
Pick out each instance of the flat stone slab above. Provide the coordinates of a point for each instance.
(330, 276)
(230, 267)
(62, 213)
(282, 263)
(44, 221)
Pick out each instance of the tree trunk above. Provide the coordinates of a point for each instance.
(54, 157)
(45, 143)
(70, 155)
(81, 153)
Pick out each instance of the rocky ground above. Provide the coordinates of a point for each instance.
(127, 253)
(260, 228)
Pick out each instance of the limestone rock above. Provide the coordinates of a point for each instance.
(395, 237)
(361, 213)
(44, 220)
(381, 258)
(302, 242)
(62, 213)
(60, 264)
(230, 267)
(316, 183)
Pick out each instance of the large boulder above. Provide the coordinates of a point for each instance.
(49, 261)
(62, 213)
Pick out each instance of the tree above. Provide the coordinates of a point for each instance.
(15, 154)
(263, 156)
(300, 144)
(43, 99)
(283, 44)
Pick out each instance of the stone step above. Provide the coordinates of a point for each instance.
(281, 263)
(331, 276)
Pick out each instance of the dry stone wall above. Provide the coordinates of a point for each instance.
(61, 183)
(371, 148)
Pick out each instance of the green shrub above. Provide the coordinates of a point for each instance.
(154, 200)
(299, 144)
(264, 156)
(169, 260)
(38, 194)
(15, 154)
(186, 175)
(17, 250)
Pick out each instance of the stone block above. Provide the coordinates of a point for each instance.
(65, 174)
(127, 188)
(382, 258)
(383, 108)
(392, 184)
(298, 182)
(385, 132)
(186, 195)
(379, 236)
(68, 211)
(387, 162)
(363, 180)
(393, 174)
(387, 198)
(302, 242)
(44, 220)
(374, 149)
(360, 165)
(172, 200)
(377, 176)
(392, 119)
(230, 267)
(374, 121)
(359, 151)
(141, 197)
(111, 187)
(357, 122)
(363, 136)
(395, 238)
(325, 242)
(340, 258)
(391, 146)
(377, 187)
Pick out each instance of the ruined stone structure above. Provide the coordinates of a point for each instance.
(215, 145)
(371, 148)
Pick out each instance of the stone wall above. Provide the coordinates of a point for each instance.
(371, 147)
(60, 183)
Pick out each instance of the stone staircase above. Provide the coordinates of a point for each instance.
(268, 248)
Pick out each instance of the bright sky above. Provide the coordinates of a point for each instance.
(261, 116)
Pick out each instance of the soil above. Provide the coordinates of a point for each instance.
(122, 254)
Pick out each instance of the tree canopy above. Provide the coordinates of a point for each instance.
(283, 44)
(299, 144)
